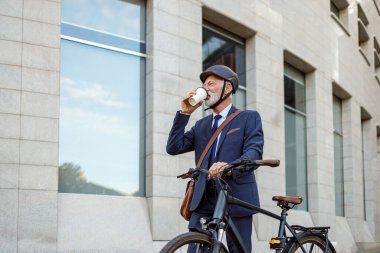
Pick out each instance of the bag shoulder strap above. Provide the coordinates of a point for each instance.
(215, 135)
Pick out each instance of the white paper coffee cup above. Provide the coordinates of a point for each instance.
(201, 94)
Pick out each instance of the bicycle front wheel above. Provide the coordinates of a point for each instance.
(311, 244)
(192, 242)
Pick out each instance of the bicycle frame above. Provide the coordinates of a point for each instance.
(224, 199)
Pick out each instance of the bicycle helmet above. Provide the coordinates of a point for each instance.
(223, 72)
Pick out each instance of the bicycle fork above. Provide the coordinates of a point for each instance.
(217, 236)
(220, 226)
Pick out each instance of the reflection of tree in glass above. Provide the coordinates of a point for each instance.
(70, 174)
(73, 180)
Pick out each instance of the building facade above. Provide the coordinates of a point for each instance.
(89, 90)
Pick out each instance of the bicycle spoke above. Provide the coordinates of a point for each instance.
(311, 248)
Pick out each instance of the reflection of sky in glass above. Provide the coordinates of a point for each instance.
(125, 18)
(100, 114)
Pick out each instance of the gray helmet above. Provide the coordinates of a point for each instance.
(223, 72)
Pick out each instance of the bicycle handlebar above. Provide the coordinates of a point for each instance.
(241, 166)
(270, 163)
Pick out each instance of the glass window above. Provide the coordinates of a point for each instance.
(223, 47)
(295, 135)
(338, 157)
(102, 106)
(114, 23)
(295, 94)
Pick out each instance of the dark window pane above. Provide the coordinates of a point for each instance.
(295, 95)
(337, 115)
(219, 49)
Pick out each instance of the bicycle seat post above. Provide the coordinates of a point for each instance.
(281, 228)
(279, 242)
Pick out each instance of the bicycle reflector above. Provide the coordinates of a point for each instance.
(277, 243)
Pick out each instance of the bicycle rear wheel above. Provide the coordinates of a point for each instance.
(311, 243)
(200, 243)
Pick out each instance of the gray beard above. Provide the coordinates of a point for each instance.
(214, 97)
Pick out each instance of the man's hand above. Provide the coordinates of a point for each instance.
(216, 170)
(186, 107)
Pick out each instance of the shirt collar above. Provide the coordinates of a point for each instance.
(223, 113)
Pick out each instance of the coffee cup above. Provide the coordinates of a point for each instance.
(201, 94)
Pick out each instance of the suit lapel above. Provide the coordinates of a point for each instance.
(209, 135)
(225, 130)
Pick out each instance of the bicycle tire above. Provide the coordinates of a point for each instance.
(311, 243)
(181, 242)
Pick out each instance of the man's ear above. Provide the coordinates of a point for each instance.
(228, 88)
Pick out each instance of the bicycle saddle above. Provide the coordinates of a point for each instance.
(296, 200)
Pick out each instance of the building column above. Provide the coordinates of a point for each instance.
(370, 175)
(29, 111)
(174, 36)
(10, 107)
(265, 93)
(353, 170)
(320, 149)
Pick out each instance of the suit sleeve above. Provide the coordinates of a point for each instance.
(180, 142)
(253, 138)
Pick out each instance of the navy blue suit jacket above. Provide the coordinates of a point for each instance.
(241, 139)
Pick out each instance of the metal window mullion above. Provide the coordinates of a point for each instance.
(293, 79)
(103, 32)
(295, 110)
(223, 34)
(99, 45)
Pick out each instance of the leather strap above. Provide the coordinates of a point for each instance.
(215, 135)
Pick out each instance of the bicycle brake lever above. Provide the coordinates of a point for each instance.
(188, 174)
(183, 176)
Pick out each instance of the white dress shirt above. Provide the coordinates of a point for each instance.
(224, 115)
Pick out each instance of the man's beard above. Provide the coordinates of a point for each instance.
(214, 97)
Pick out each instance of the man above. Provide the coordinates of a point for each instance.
(241, 139)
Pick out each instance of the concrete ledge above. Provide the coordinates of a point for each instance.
(368, 247)
(100, 223)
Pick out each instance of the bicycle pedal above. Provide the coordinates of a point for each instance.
(277, 243)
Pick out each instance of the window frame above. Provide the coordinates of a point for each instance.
(340, 15)
(142, 55)
(298, 77)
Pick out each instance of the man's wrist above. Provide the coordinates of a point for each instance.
(185, 112)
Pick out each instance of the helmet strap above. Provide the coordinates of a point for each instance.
(221, 99)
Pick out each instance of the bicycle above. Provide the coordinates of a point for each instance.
(209, 238)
